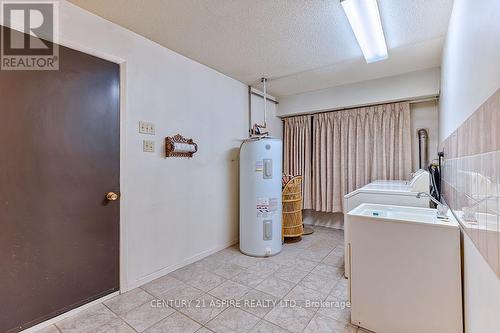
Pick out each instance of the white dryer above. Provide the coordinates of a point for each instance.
(391, 192)
(413, 177)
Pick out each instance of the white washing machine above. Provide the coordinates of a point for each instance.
(387, 192)
(413, 177)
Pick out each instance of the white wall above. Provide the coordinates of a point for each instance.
(424, 115)
(482, 292)
(470, 74)
(173, 210)
(412, 85)
(471, 61)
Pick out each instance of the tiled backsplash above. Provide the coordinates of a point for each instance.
(471, 178)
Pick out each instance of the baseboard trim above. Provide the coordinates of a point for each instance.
(325, 225)
(323, 219)
(172, 268)
(68, 314)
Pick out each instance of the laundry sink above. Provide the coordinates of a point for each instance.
(403, 214)
(401, 259)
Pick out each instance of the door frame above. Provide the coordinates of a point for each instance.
(123, 261)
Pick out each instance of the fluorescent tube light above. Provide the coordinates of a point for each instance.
(365, 21)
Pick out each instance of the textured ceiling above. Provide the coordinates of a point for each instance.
(299, 45)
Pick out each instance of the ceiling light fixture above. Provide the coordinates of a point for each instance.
(365, 21)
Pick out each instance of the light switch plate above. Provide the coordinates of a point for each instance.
(148, 146)
(146, 128)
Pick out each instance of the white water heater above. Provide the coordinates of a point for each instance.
(260, 196)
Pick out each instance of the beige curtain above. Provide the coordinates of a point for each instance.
(297, 139)
(354, 147)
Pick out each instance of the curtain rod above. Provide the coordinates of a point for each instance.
(411, 101)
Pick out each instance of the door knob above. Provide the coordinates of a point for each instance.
(112, 196)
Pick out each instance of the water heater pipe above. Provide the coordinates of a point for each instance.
(423, 153)
(264, 81)
(256, 127)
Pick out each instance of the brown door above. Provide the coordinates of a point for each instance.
(59, 156)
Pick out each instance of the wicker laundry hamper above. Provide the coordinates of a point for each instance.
(292, 208)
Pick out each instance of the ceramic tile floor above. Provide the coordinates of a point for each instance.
(302, 289)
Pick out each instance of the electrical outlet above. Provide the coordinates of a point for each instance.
(148, 146)
(146, 128)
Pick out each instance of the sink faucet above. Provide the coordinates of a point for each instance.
(442, 209)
